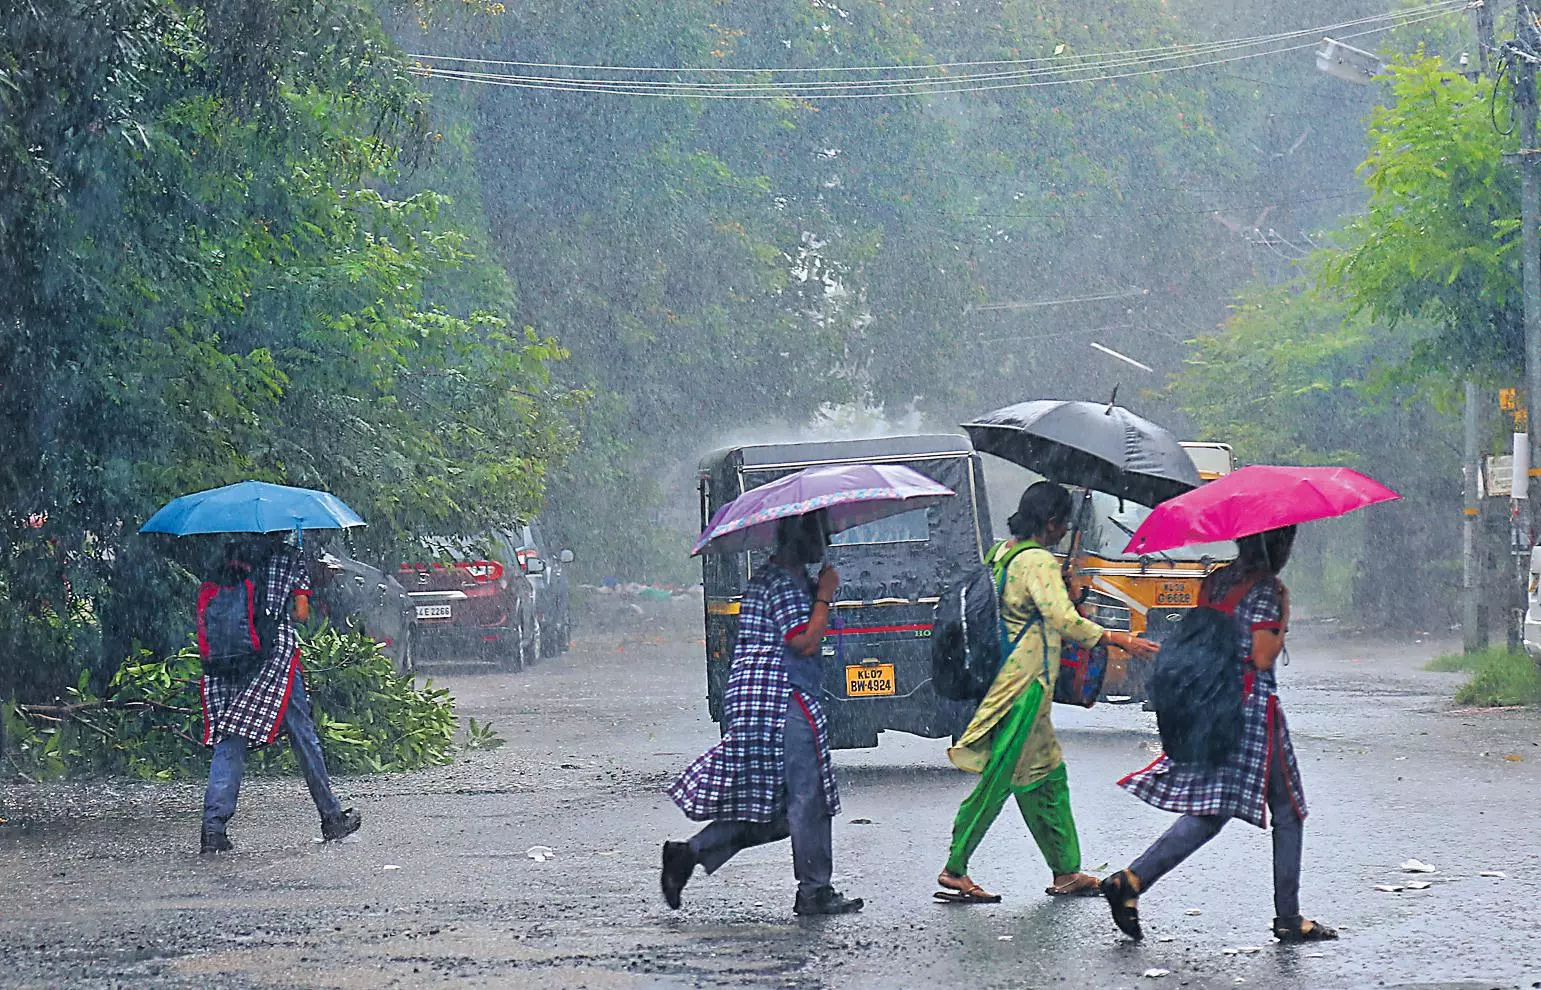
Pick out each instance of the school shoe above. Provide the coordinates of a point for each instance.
(340, 825)
(678, 863)
(213, 841)
(1122, 890)
(827, 900)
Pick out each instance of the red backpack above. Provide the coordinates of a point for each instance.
(230, 622)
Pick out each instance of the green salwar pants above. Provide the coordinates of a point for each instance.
(1045, 805)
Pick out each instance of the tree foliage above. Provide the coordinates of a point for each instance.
(216, 269)
(245, 242)
(716, 266)
(1440, 238)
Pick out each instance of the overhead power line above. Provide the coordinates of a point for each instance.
(1440, 6)
(1138, 214)
(905, 80)
(1044, 303)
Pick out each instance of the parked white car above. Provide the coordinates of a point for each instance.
(1533, 606)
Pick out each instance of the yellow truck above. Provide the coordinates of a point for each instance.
(1147, 595)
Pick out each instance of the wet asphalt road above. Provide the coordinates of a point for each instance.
(102, 886)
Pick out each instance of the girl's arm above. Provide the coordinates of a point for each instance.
(1267, 640)
(1047, 587)
(808, 638)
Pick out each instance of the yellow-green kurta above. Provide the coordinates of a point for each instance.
(1033, 586)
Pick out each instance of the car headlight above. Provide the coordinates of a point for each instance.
(1105, 610)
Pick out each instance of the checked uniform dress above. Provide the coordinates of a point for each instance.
(1239, 788)
(742, 778)
(238, 714)
(254, 709)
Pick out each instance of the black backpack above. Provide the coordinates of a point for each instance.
(968, 638)
(1196, 687)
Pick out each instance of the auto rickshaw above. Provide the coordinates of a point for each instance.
(878, 648)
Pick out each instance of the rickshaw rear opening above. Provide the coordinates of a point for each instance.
(877, 653)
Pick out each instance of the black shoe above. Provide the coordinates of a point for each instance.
(678, 863)
(1124, 901)
(827, 900)
(214, 841)
(340, 825)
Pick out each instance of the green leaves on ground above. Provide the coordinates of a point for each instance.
(149, 722)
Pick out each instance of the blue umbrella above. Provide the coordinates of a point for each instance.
(252, 507)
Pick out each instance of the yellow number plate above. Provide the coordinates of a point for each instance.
(869, 680)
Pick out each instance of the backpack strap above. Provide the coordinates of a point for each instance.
(1232, 601)
(1001, 568)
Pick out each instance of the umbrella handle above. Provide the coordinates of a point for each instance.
(1077, 531)
(834, 624)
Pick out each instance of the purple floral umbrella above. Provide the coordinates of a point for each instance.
(848, 494)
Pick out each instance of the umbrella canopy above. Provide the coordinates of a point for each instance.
(1090, 444)
(1253, 500)
(848, 494)
(252, 507)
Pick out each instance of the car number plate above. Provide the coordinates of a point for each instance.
(869, 680)
(433, 612)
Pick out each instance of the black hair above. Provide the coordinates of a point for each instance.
(804, 537)
(1041, 504)
(1267, 551)
(245, 555)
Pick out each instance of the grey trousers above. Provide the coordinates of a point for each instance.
(1190, 832)
(229, 765)
(806, 820)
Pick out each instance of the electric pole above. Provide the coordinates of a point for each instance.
(1522, 56)
(1485, 45)
(1474, 615)
(1474, 618)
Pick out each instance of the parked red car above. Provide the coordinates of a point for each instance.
(473, 601)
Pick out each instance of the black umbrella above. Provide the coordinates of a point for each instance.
(1089, 444)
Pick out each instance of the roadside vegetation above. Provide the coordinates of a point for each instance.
(147, 723)
(1499, 677)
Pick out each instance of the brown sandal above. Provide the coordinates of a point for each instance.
(962, 890)
(1299, 929)
(1083, 885)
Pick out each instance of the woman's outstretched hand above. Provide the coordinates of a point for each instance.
(1131, 644)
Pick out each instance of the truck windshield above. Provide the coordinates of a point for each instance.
(1113, 521)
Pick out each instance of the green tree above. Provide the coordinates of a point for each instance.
(715, 266)
(1440, 238)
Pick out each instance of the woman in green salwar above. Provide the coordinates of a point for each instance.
(1010, 742)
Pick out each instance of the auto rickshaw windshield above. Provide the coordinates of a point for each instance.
(1113, 521)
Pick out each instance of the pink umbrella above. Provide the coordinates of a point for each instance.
(1253, 500)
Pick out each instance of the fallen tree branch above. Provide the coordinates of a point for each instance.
(69, 711)
(24, 775)
(179, 734)
(80, 720)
